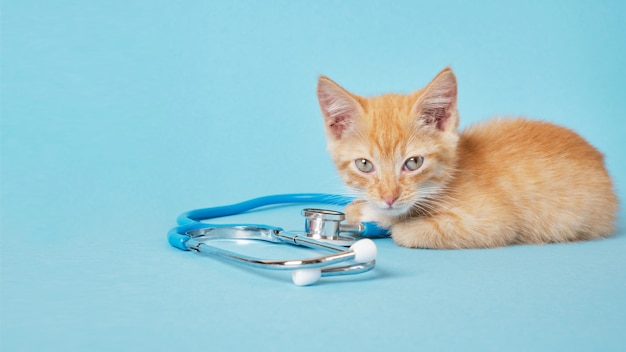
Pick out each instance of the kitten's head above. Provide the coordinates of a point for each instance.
(396, 151)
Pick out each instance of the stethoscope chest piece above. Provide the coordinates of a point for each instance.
(325, 225)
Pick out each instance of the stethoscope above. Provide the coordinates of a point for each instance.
(323, 230)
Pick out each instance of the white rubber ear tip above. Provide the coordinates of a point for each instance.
(364, 250)
(305, 277)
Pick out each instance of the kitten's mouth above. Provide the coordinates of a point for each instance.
(393, 209)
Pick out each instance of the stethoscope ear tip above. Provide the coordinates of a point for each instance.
(364, 250)
(305, 277)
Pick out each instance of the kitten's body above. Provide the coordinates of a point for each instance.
(507, 181)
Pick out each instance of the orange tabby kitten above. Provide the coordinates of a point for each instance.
(507, 181)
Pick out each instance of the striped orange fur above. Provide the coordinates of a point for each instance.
(502, 182)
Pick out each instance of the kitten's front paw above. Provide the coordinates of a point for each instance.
(360, 211)
(354, 212)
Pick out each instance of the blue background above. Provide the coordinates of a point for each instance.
(119, 115)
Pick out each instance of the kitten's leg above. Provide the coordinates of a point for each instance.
(449, 230)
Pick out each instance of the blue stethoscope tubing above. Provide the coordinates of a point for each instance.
(192, 232)
(242, 207)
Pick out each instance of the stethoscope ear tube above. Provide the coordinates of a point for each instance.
(306, 271)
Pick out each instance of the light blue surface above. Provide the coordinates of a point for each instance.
(119, 115)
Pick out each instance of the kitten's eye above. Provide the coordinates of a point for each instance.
(413, 163)
(364, 165)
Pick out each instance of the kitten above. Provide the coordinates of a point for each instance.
(503, 182)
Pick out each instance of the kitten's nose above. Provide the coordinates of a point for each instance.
(389, 200)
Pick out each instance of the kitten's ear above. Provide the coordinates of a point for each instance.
(339, 108)
(436, 106)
